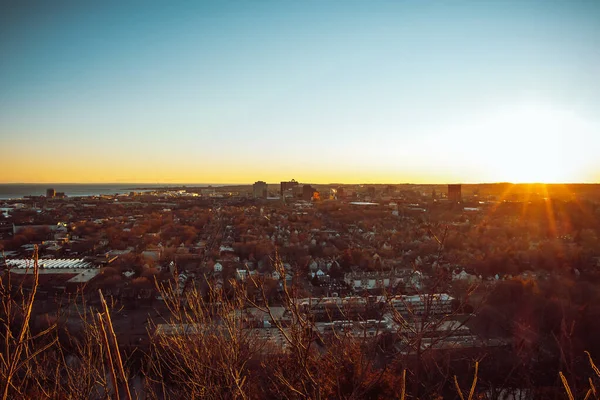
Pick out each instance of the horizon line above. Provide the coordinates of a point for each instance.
(165, 184)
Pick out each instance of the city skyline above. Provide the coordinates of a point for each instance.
(377, 92)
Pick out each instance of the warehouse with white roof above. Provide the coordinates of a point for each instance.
(83, 270)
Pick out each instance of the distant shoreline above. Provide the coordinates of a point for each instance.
(21, 190)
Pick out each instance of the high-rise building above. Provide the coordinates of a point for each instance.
(259, 190)
(296, 192)
(308, 192)
(455, 193)
(287, 185)
(50, 192)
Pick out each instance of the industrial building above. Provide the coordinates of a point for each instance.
(57, 274)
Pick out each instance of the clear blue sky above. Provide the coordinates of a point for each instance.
(321, 91)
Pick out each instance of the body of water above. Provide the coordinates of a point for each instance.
(18, 191)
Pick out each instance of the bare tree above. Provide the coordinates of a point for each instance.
(20, 346)
(203, 349)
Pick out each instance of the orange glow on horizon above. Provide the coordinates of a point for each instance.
(247, 176)
(519, 144)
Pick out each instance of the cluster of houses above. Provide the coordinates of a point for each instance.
(215, 236)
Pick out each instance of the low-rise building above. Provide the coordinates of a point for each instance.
(374, 279)
(422, 304)
(56, 273)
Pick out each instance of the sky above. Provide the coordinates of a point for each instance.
(320, 91)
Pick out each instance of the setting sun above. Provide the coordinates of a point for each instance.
(531, 144)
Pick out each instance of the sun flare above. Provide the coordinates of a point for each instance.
(529, 144)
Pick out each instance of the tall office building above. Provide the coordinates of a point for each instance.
(308, 192)
(287, 185)
(50, 192)
(259, 190)
(455, 193)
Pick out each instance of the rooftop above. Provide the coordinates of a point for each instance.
(81, 271)
(59, 263)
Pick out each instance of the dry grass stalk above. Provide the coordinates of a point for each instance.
(596, 370)
(592, 388)
(566, 385)
(473, 384)
(111, 364)
(107, 329)
(403, 381)
(588, 394)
